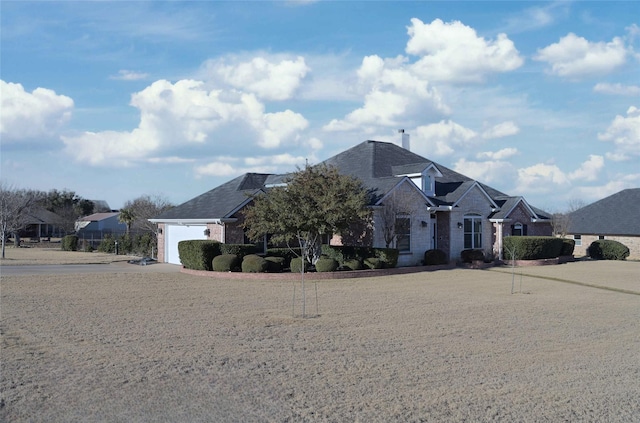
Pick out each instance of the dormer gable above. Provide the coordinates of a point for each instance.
(422, 174)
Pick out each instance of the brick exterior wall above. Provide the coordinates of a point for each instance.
(632, 242)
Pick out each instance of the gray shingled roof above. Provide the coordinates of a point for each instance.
(220, 202)
(377, 164)
(618, 214)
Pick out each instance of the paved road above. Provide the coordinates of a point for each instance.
(57, 269)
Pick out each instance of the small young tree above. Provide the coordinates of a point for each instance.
(513, 253)
(316, 201)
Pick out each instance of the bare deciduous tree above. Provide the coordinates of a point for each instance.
(144, 208)
(561, 221)
(399, 204)
(15, 206)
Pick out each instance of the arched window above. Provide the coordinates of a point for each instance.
(518, 229)
(472, 231)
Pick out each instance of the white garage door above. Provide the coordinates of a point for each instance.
(177, 233)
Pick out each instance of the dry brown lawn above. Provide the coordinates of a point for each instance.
(443, 346)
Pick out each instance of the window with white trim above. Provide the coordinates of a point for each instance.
(578, 240)
(472, 231)
(403, 233)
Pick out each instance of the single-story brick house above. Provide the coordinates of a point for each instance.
(616, 217)
(449, 211)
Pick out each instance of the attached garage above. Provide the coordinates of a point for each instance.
(175, 233)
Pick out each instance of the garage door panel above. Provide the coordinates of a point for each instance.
(177, 233)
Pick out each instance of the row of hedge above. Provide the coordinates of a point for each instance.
(213, 255)
(536, 247)
(141, 244)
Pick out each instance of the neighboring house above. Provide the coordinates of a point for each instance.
(42, 223)
(445, 210)
(616, 217)
(99, 224)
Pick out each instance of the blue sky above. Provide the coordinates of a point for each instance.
(115, 100)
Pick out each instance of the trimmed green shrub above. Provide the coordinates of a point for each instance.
(239, 250)
(373, 263)
(607, 249)
(225, 263)
(389, 256)
(253, 263)
(326, 264)
(353, 264)
(69, 243)
(435, 257)
(469, 256)
(275, 264)
(287, 253)
(296, 265)
(532, 247)
(567, 247)
(198, 254)
(344, 253)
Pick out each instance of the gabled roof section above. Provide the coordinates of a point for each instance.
(465, 188)
(398, 183)
(613, 215)
(40, 215)
(221, 202)
(508, 204)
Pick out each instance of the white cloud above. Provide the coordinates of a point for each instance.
(30, 116)
(128, 75)
(454, 52)
(270, 78)
(230, 166)
(535, 17)
(624, 133)
(216, 168)
(441, 139)
(618, 183)
(574, 56)
(394, 96)
(617, 89)
(278, 160)
(589, 170)
(540, 178)
(281, 126)
(501, 130)
(503, 154)
(182, 114)
(488, 172)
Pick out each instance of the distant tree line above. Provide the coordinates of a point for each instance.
(18, 205)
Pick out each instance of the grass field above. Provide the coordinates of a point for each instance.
(450, 345)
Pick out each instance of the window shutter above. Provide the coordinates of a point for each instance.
(513, 228)
(524, 230)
